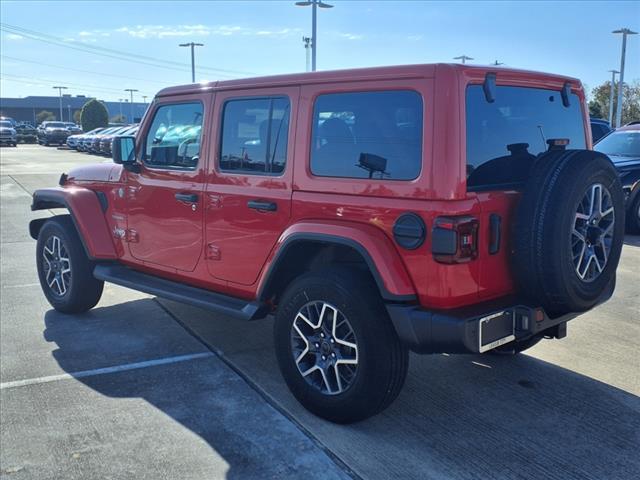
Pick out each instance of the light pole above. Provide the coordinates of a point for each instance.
(624, 32)
(144, 99)
(307, 46)
(463, 58)
(314, 37)
(613, 87)
(69, 110)
(193, 62)
(131, 90)
(60, 92)
(496, 63)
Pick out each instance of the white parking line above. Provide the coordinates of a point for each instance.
(102, 371)
(21, 286)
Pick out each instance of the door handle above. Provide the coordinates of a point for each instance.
(262, 205)
(187, 197)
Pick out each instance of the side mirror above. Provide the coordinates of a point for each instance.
(123, 150)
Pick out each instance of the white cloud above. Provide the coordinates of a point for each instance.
(169, 31)
(13, 36)
(351, 36)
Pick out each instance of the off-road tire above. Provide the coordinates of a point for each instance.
(542, 251)
(84, 291)
(382, 359)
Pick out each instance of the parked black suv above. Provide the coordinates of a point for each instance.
(52, 132)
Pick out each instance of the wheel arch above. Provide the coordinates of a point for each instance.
(305, 249)
(86, 209)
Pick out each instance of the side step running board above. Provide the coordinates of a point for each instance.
(179, 292)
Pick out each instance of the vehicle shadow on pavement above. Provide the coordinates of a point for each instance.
(204, 396)
(458, 416)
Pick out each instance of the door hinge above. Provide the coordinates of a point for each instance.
(213, 252)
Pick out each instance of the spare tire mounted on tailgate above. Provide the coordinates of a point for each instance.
(568, 231)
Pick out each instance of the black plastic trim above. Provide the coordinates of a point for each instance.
(104, 203)
(456, 330)
(325, 238)
(409, 231)
(489, 87)
(495, 227)
(179, 292)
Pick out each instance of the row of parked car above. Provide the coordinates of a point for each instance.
(99, 140)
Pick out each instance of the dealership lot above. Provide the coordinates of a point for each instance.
(198, 396)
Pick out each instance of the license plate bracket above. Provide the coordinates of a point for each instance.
(496, 329)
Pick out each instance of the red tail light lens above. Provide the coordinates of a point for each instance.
(455, 239)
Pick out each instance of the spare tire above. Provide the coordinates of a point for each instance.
(568, 230)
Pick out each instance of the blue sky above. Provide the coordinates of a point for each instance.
(248, 38)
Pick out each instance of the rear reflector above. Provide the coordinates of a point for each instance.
(455, 239)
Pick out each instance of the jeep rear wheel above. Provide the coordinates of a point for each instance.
(336, 347)
(64, 270)
(569, 230)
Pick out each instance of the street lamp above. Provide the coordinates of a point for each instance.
(60, 92)
(613, 87)
(496, 63)
(314, 38)
(69, 110)
(193, 63)
(131, 90)
(624, 32)
(144, 99)
(463, 58)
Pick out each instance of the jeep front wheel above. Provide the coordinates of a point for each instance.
(64, 270)
(336, 347)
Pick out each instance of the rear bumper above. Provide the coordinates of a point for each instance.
(478, 328)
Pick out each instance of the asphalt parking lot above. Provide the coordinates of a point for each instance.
(146, 388)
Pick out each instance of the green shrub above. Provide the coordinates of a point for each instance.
(44, 116)
(94, 115)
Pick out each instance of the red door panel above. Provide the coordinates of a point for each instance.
(166, 204)
(239, 234)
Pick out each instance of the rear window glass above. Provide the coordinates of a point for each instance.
(504, 137)
(368, 135)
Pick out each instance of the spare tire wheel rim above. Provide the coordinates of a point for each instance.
(592, 235)
(324, 347)
(57, 265)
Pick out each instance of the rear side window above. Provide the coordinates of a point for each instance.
(173, 140)
(368, 135)
(254, 136)
(504, 137)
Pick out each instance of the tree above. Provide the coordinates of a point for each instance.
(119, 119)
(595, 110)
(45, 116)
(630, 104)
(76, 116)
(94, 115)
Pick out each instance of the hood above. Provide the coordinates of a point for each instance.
(99, 172)
(625, 163)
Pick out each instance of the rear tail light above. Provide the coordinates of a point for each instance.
(455, 239)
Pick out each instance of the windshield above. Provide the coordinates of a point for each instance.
(5, 124)
(55, 125)
(623, 144)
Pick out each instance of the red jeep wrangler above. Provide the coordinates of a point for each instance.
(432, 208)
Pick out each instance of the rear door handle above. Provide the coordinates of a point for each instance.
(187, 197)
(262, 205)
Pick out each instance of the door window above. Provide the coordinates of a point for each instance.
(368, 135)
(255, 135)
(173, 141)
